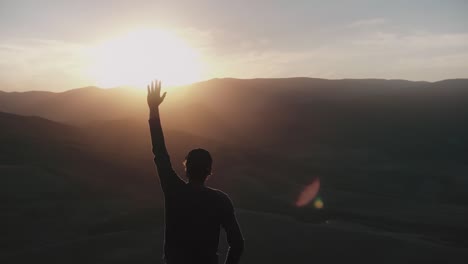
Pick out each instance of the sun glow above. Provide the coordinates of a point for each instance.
(137, 57)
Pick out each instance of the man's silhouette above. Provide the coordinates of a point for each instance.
(194, 213)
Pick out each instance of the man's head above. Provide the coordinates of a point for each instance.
(198, 165)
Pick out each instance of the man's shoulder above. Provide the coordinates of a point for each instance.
(222, 195)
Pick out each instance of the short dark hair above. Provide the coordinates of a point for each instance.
(198, 164)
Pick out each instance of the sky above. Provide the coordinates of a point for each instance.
(60, 45)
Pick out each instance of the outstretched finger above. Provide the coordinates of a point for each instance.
(148, 88)
(163, 96)
(157, 87)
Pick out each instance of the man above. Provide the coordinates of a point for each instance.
(194, 213)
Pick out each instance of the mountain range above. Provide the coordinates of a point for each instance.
(391, 156)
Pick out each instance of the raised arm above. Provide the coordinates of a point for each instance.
(168, 178)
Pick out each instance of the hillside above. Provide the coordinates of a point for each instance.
(251, 109)
(53, 186)
(331, 128)
(77, 106)
(390, 156)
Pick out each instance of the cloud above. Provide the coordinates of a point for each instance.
(419, 41)
(367, 22)
(420, 56)
(38, 64)
(256, 63)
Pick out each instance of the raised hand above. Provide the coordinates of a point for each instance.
(154, 95)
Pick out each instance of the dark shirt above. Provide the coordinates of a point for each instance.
(194, 214)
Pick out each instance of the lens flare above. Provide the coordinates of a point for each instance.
(318, 203)
(309, 193)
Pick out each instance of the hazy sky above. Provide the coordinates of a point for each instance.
(42, 42)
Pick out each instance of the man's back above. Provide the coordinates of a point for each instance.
(194, 216)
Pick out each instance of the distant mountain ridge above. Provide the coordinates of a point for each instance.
(267, 112)
(231, 99)
(75, 106)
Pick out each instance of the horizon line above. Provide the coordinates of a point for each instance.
(235, 78)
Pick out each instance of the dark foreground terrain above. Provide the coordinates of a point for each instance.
(78, 184)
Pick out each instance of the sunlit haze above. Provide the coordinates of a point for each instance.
(60, 45)
(139, 56)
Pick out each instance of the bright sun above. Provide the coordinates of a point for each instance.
(137, 57)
